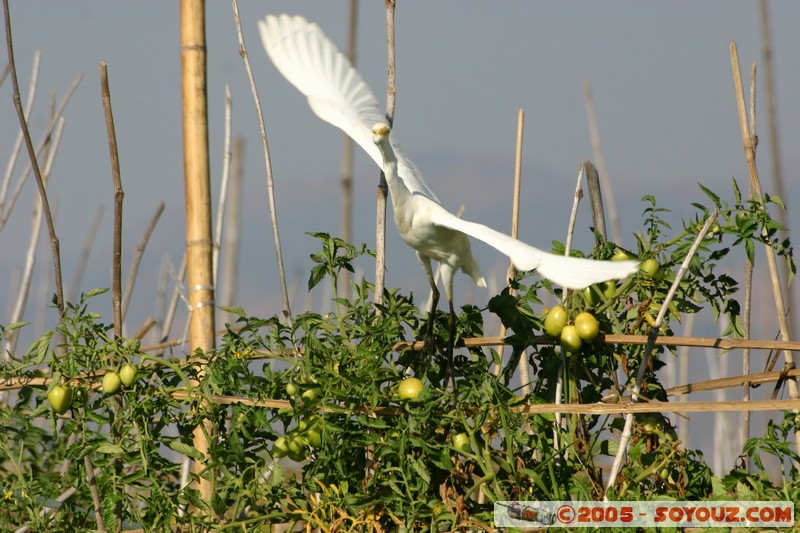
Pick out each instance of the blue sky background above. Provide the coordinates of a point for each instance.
(660, 74)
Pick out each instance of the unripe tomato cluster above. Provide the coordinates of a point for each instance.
(300, 440)
(584, 328)
(308, 394)
(113, 381)
(61, 395)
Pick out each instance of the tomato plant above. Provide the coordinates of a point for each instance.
(322, 440)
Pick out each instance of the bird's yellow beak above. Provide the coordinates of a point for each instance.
(380, 130)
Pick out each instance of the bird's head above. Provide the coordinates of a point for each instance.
(380, 132)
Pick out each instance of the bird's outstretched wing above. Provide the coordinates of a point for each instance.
(335, 90)
(569, 272)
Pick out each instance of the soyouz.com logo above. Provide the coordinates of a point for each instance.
(644, 514)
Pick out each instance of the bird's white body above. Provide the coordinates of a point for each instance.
(337, 94)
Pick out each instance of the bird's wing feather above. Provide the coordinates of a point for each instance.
(335, 90)
(569, 272)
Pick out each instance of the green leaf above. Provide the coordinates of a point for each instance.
(95, 292)
(714, 197)
(234, 310)
(110, 449)
(185, 449)
(317, 275)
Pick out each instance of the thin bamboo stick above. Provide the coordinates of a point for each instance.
(137, 259)
(10, 340)
(567, 246)
(12, 160)
(746, 319)
(287, 309)
(51, 230)
(199, 245)
(230, 239)
(530, 409)
(86, 250)
(347, 159)
(45, 139)
(524, 371)
(227, 156)
(692, 342)
(622, 451)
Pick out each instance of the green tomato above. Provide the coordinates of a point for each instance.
(570, 340)
(298, 447)
(296, 444)
(291, 389)
(314, 437)
(651, 270)
(410, 389)
(280, 448)
(620, 255)
(461, 443)
(555, 321)
(309, 395)
(300, 456)
(127, 374)
(60, 398)
(586, 326)
(609, 289)
(591, 295)
(111, 383)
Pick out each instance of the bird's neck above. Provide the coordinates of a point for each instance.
(397, 188)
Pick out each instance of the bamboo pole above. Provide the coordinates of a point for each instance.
(199, 245)
(382, 191)
(116, 296)
(773, 136)
(748, 144)
(594, 132)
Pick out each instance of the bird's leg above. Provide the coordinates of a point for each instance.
(450, 377)
(447, 272)
(430, 343)
(430, 340)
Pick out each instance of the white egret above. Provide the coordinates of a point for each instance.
(338, 95)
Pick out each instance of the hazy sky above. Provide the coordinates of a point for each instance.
(660, 74)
